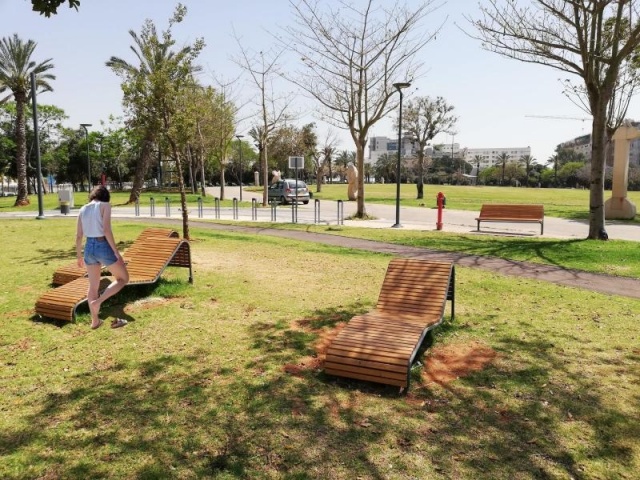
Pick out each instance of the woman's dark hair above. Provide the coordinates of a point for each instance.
(100, 193)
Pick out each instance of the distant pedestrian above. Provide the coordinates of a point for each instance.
(94, 223)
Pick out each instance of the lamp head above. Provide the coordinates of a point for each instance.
(85, 125)
(400, 85)
(239, 136)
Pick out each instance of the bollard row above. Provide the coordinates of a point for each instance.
(235, 210)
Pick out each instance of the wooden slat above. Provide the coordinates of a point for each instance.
(380, 345)
(512, 213)
(147, 262)
(70, 272)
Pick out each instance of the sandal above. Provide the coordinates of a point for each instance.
(118, 322)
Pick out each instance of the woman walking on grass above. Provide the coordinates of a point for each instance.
(94, 223)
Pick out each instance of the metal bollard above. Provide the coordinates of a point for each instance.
(274, 211)
(340, 212)
(294, 212)
(137, 207)
(254, 209)
(235, 208)
(167, 206)
(152, 207)
(316, 210)
(200, 213)
(216, 208)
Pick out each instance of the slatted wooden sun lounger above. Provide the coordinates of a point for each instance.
(68, 273)
(381, 345)
(147, 262)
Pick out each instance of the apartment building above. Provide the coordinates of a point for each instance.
(385, 145)
(489, 156)
(582, 144)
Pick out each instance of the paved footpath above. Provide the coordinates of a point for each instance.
(607, 284)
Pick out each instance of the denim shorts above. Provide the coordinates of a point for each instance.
(98, 250)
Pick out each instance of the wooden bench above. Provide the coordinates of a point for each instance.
(146, 263)
(492, 212)
(70, 272)
(380, 346)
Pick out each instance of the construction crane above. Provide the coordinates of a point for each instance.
(558, 117)
(561, 117)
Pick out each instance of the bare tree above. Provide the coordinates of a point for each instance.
(263, 68)
(592, 39)
(352, 56)
(425, 118)
(323, 157)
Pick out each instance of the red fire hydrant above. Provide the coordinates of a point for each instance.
(440, 199)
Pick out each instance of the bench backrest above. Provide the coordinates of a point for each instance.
(149, 258)
(524, 211)
(414, 286)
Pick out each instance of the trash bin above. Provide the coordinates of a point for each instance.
(64, 208)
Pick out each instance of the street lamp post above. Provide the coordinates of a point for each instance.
(240, 152)
(86, 135)
(399, 87)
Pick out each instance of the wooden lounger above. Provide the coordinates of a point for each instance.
(68, 273)
(380, 345)
(147, 262)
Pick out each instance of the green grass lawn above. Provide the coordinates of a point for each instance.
(563, 203)
(615, 257)
(220, 379)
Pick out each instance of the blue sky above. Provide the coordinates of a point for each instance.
(492, 95)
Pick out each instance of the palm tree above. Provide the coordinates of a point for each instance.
(16, 67)
(503, 157)
(528, 160)
(553, 160)
(477, 158)
(153, 55)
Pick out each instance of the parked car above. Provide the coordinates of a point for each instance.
(285, 191)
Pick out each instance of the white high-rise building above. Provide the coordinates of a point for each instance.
(490, 156)
(382, 145)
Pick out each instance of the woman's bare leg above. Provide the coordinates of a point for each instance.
(93, 272)
(119, 271)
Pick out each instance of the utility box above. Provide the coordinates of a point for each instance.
(65, 196)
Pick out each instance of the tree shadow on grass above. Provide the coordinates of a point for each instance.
(204, 415)
(45, 255)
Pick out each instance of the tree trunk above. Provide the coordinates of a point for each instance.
(204, 180)
(420, 181)
(319, 171)
(22, 197)
(265, 173)
(222, 182)
(597, 229)
(181, 187)
(141, 168)
(192, 179)
(361, 212)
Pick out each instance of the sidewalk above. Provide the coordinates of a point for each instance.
(425, 218)
(325, 212)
